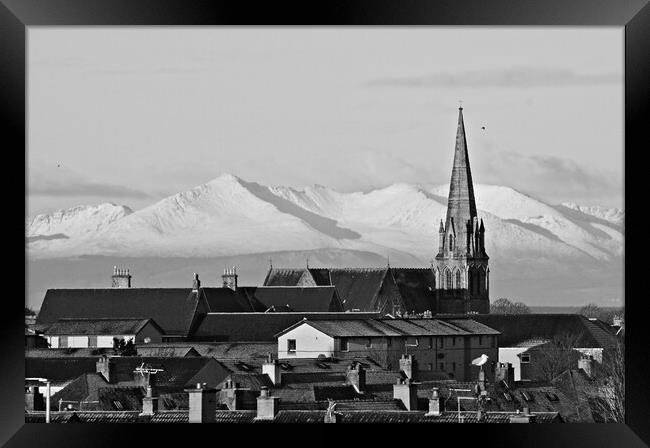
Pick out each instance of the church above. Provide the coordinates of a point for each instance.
(457, 282)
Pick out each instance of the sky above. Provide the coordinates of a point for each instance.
(132, 115)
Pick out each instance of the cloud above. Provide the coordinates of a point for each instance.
(522, 77)
(61, 181)
(551, 178)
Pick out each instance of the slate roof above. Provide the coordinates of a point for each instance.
(357, 287)
(177, 372)
(98, 326)
(225, 300)
(173, 309)
(59, 369)
(257, 326)
(166, 351)
(396, 327)
(417, 287)
(299, 299)
(519, 328)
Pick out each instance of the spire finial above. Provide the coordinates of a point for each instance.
(307, 261)
(388, 260)
(460, 104)
(271, 262)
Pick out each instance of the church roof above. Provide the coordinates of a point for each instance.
(417, 288)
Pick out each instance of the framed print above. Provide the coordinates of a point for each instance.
(353, 212)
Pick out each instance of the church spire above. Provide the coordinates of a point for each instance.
(461, 206)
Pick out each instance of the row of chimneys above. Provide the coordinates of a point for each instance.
(122, 279)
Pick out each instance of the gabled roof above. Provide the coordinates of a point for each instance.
(226, 300)
(357, 287)
(517, 328)
(166, 351)
(173, 309)
(417, 287)
(257, 326)
(59, 369)
(99, 326)
(349, 328)
(299, 299)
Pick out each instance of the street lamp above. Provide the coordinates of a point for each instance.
(47, 398)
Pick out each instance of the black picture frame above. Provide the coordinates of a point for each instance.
(16, 15)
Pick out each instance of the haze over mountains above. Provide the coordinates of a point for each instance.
(539, 253)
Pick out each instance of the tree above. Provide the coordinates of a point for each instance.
(554, 357)
(124, 348)
(590, 311)
(609, 404)
(505, 306)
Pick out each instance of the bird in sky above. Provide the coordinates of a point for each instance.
(483, 127)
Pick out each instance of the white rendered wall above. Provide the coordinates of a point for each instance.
(78, 341)
(509, 354)
(309, 343)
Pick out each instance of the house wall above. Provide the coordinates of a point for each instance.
(148, 331)
(511, 355)
(92, 341)
(310, 343)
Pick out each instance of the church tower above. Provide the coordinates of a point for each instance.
(461, 266)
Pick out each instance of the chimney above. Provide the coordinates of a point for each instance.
(33, 399)
(267, 406)
(585, 363)
(203, 404)
(149, 403)
(408, 365)
(196, 284)
(272, 368)
(105, 366)
(435, 403)
(503, 371)
(230, 278)
(121, 278)
(406, 391)
(356, 375)
(523, 417)
(232, 396)
(481, 380)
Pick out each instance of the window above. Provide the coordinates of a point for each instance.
(54, 342)
(429, 366)
(453, 366)
(458, 279)
(291, 346)
(453, 342)
(344, 345)
(442, 366)
(369, 343)
(430, 342)
(451, 242)
(480, 340)
(441, 343)
(525, 358)
(389, 342)
(449, 285)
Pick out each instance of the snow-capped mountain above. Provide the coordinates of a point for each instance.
(229, 216)
(75, 222)
(536, 249)
(614, 215)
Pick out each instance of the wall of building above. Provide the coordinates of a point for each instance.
(150, 332)
(310, 343)
(511, 355)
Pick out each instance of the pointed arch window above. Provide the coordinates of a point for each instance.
(458, 279)
(448, 274)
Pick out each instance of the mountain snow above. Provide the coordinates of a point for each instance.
(229, 216)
